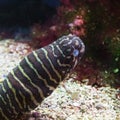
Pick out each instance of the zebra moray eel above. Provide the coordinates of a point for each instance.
(37, 75)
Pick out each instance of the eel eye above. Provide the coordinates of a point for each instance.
(75, 52)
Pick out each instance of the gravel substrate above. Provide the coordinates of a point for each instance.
(71, 100)
(74, 101)
(11, 54)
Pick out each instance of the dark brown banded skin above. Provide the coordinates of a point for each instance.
(37, 75)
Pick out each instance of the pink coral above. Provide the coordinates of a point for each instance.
(77, 26)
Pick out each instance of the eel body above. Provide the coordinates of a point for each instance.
(37, 75)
